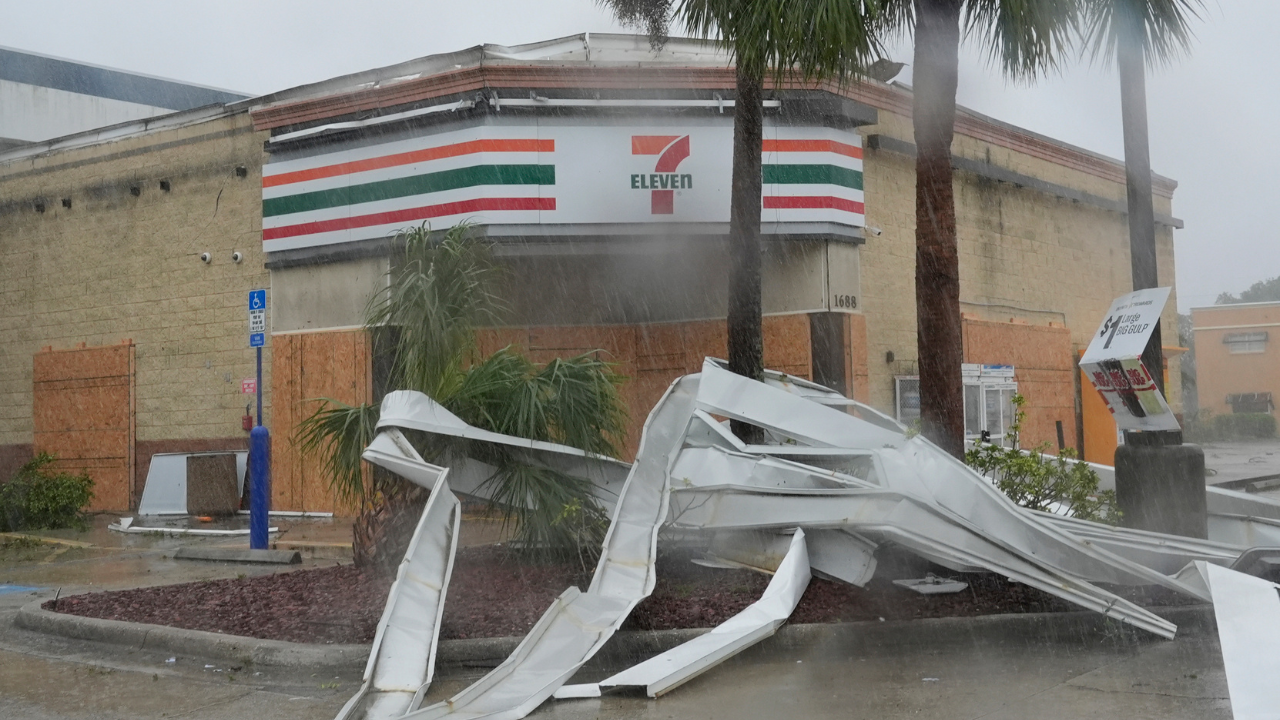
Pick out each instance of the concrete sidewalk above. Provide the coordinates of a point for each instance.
(1066, 665)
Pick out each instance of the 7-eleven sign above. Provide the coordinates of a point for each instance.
(664, 180)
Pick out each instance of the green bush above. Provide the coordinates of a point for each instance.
(1038, 482)
(1236, 426)
(41, 498)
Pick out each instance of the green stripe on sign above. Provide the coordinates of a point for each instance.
(416, 185)
(813, 175)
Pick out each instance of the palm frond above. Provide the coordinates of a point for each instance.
(338, 433)
(571, 401)
(651, 16)
(554, 514)
(1164, 27)
(1027, 38)
(809, 38)
(438, 294)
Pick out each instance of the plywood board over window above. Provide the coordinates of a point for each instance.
(83, 411)
(305, 367)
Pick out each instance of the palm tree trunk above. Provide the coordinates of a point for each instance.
(1137, 168)
(746, 345)
(381, 533)
(940, 343)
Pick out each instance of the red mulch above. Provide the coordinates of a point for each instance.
(491, 594)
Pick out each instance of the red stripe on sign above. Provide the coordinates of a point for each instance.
(663, 202)
(651, 144)
(410, 215)
(830, 146)
(408, 158)
(813, 202)
(673, 156)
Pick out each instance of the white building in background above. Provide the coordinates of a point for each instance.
(43, 97)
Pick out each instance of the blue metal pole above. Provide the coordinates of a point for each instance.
(259, 486)
(259, 386)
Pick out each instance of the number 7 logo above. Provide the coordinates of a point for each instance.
(671, 151)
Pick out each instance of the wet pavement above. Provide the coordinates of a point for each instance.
(44, 677)
(99, 559)
(1240, 460)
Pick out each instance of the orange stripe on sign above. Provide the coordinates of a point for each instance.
(408, 158)
(830, 146)
(651, 144)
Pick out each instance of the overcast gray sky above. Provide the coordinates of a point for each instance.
(1210, 113)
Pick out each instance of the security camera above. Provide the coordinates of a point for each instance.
(875, 231)
(236, 257)
(206, 258)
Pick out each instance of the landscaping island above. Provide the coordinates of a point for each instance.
(493, 593)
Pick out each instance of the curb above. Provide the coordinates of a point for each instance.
(626, 647)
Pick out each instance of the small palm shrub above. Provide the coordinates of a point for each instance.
(440, 292)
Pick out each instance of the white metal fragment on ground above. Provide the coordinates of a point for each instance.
(1166, 554)
(842, 482)
(206, 532)
(1247, 610)
(981, 526)
(1243, 519)
(932, 585)
(402, 659)
(578, 624)
(758, 621)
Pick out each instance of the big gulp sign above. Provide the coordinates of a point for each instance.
(543, 173)
(1113, 362)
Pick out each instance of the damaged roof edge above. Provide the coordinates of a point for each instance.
(704, 62)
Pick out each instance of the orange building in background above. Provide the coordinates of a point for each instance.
(1237, 357)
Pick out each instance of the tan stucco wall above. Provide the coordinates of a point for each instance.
(1219, 372)
(1024, 254)
(116, 266)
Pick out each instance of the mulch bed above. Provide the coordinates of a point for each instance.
(492, 594)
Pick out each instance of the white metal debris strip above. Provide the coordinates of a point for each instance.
(819, 496)
(758, 621)
(578, 624)
(402, 659)
(1248, 613)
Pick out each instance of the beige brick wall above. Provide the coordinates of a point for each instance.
(1018, 247)
(115, 266)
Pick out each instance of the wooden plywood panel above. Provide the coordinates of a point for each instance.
(307, 367)
(285, 415)
(1042, 360)
(212, 484)
(83, 411)
(856, 341)
(787, 344)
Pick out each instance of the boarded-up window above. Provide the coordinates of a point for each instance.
(304, 368)
(83, 411)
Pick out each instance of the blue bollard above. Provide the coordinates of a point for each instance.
(259, 486)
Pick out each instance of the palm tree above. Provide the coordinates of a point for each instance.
(1137, 33)
(439, 294)
(808, 38)
(1026, 38)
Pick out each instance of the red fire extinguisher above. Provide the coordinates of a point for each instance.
(246, 422)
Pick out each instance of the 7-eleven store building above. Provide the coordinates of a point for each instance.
(601, 172)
